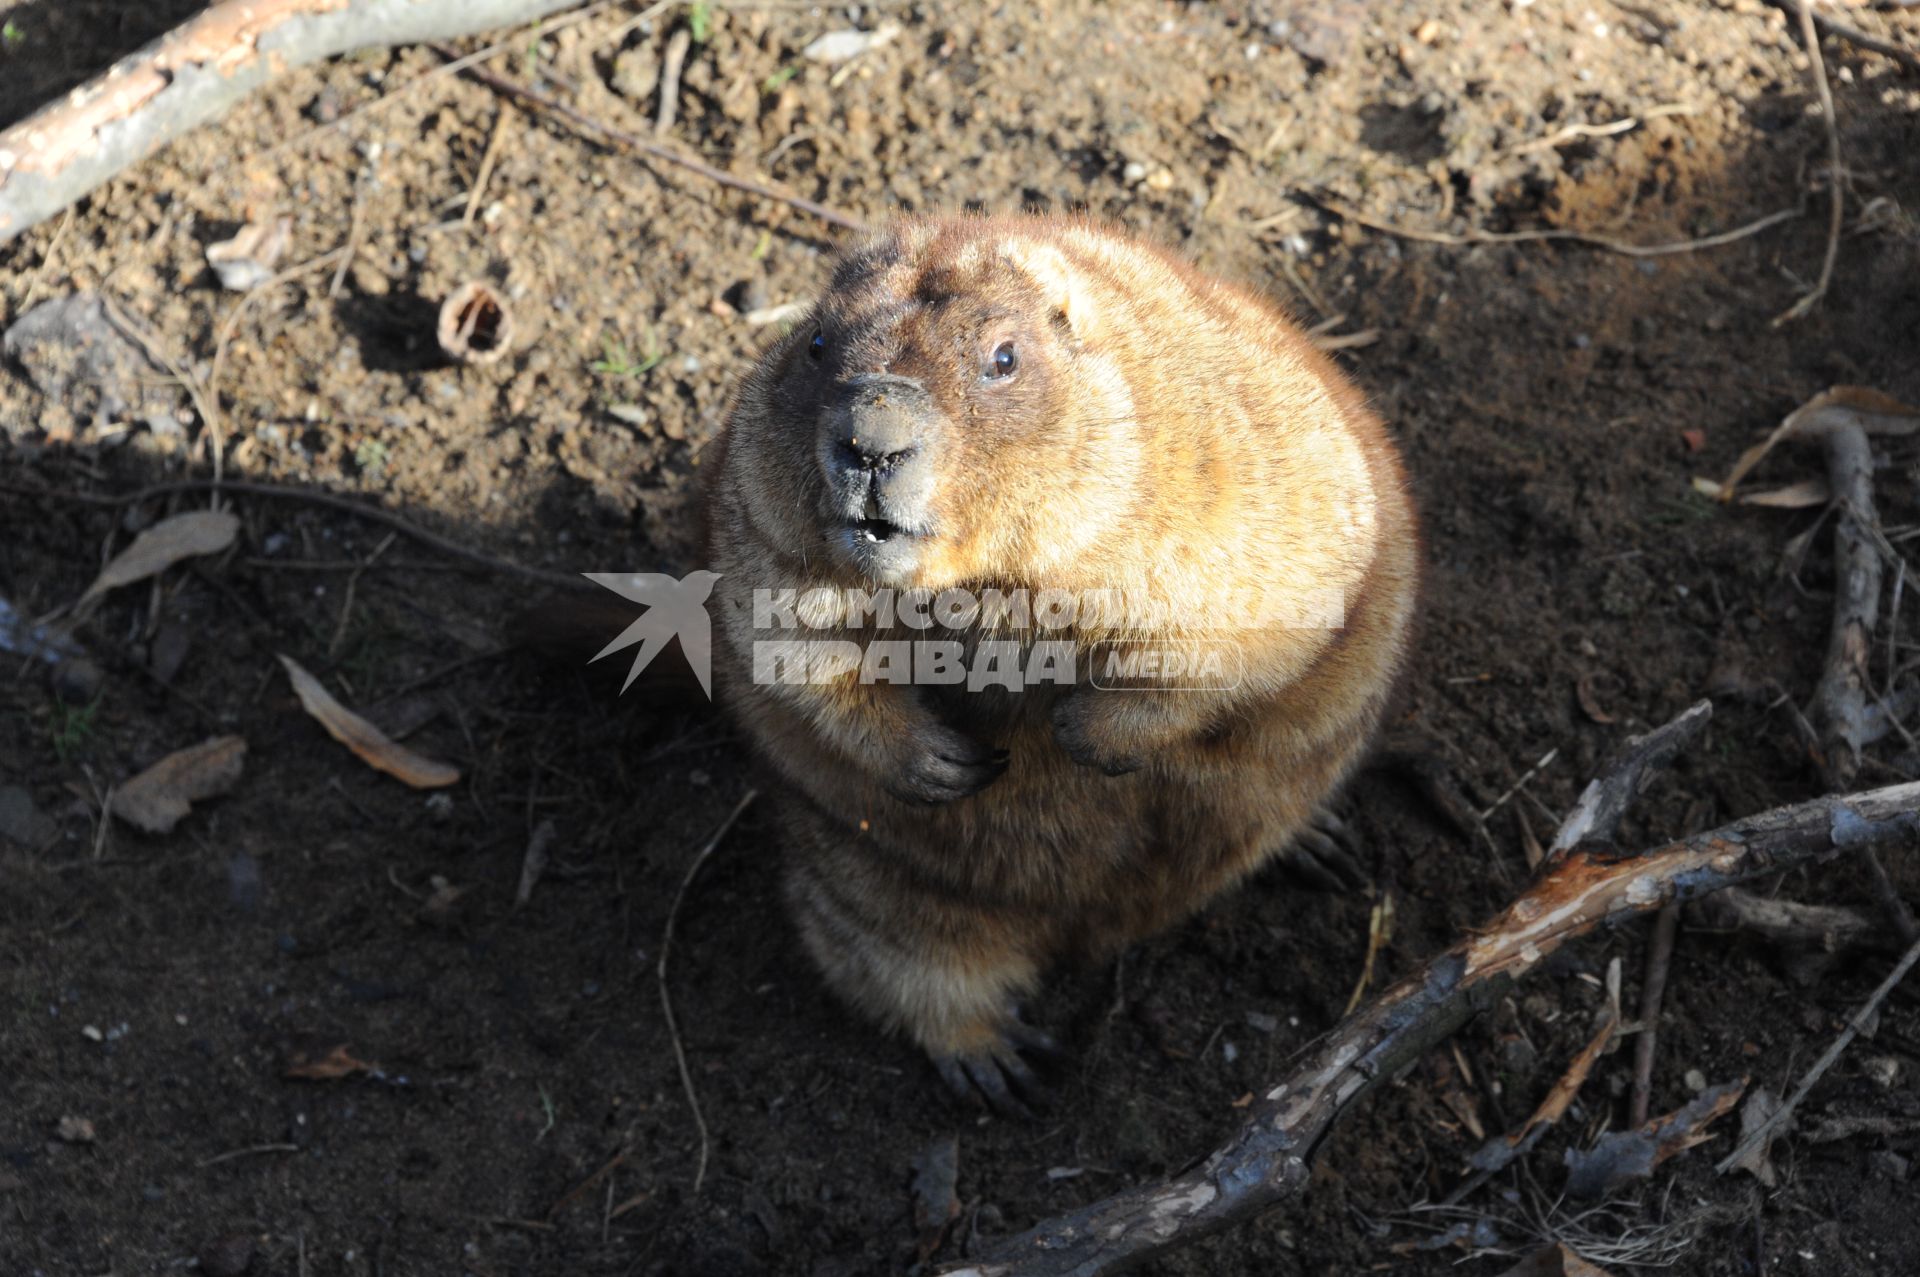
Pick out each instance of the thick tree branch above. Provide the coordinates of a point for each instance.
(1268, 1160)
(195, 72)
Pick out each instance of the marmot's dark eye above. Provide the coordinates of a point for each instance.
(1003, 361)
(818, 346)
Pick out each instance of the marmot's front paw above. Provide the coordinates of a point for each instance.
(1083, 733)
(941, 765)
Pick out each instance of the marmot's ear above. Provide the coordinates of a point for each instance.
(1067, 291)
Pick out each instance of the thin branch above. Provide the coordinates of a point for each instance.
(1653, 991)
(1788, 924)
(1836, 198)
(1607, 242)
(621, 139)
(666, 998)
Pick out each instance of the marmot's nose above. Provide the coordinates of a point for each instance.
(883, 420)
(876, 447)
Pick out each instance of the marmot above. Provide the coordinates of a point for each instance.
(1041, 407)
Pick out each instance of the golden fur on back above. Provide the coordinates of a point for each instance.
(1165, 433)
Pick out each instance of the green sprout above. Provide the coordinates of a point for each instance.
(11, 35)
(619, 362)
(72, 728)
(700, 20)
(371, 456)
(531, 59)
(773, 82)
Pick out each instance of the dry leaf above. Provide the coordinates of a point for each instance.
(1554, 1261)
(1696, 440)
(1754, 1114)
(1623, 1156)
(442, 902)
(936, 1172)
(362, 737)
(334, 1065)
(1803, 495)
(1462, 1107)
(1873, 412)
(843, 46)
(534, 863)
(1554, 1107)
(1583, 690)
(1529, 841)
(183, 536)
(160, 797)
(246, 261)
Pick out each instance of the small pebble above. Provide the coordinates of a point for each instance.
(1261, 1022)
(1888, 1164)
(78, 681)
(1696, 1081)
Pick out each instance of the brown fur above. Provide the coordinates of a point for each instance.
(1166, 430)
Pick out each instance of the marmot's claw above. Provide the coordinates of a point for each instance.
(1325, 854)
(946, 766)
(997, 1075)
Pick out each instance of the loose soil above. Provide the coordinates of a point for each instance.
(526, 1114)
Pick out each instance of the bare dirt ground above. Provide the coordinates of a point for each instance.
(1554, 400)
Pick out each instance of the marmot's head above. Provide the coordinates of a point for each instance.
(941, 415)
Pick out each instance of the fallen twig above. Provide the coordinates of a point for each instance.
(1780, 1116)
(360, 509)
(1840, 704)
(622, 139)
(1605, 800)
(1576, 132)
(1653, 991)
(1836, 198)
(1607, 242)
(660, 973)
(1268, 1159)
(1788, 923)
(198, 70)
(671, 64)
